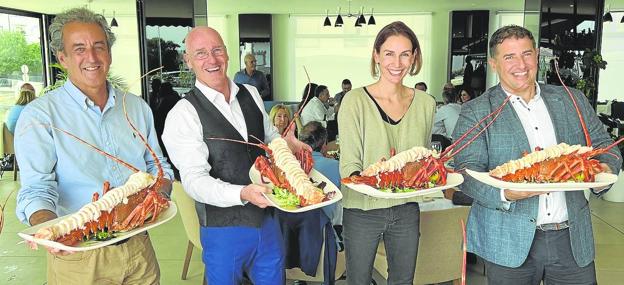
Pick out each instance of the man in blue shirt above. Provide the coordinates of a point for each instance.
(59, 174)
(253, 77)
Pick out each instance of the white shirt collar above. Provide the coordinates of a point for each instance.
(536, 98)
(212, 94)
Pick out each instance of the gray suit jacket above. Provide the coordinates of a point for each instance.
(501, 234)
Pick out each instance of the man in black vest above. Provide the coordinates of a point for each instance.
(238, 234)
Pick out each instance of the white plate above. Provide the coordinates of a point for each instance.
(28, 233)
(452, 180)
(254, 175)
(602, 179)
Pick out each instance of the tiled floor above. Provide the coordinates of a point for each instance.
(19, 265)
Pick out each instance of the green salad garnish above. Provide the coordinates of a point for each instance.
(285, 199)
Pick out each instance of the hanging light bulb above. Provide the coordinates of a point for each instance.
(327, 23)
(361, 18)
(339, 21)
(371, 20)
(114, 21)
(607, 17)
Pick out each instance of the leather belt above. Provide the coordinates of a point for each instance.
(553, 226)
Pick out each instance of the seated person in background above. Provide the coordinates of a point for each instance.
(315, 135)
(167, 98)
(280, 117)
(306, 96)
(26, 95)
(421, 86)
(315, 110)
(346, 87)
(253, 77)
(457, 197)
(465, 94)
(305, 232)
(446, 116)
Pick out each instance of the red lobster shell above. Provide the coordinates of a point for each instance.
(120, 209)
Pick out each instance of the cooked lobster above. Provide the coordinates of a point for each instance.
(418, 167)
(559, 163)
(120, 209)
(287, 170)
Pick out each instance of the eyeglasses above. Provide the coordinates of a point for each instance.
(203, 54)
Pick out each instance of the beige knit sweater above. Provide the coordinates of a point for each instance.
(365, 138)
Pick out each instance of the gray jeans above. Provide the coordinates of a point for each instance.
(550, 259)
(399, 228)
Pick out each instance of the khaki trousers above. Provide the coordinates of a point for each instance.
(133, 262)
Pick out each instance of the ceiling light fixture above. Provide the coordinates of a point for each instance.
(607, 17)
(327, 22)
(114, 21)
(360, 19)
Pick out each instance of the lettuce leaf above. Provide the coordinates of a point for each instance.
(285, 199)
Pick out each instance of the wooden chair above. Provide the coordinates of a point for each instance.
(186, 207)
(7, 142)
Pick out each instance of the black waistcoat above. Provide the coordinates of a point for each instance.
(230, 161)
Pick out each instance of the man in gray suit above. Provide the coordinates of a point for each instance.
(527, 237)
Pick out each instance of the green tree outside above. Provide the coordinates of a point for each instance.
(15, 52)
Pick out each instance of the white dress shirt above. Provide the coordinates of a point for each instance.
(315, 111)
(540, 133)
(183, 137)
(445, 119)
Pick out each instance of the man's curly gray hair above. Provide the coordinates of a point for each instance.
(82, 15)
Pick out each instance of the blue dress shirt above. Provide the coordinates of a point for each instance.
(257, 79)
(61, 174)
(14, 114)
(330, 168)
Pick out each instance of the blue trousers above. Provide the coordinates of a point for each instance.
(228, 252)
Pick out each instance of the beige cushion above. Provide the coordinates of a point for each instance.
(186, 208)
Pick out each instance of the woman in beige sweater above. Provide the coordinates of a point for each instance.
(373, 120)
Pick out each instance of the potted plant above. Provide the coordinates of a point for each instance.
(591, 62)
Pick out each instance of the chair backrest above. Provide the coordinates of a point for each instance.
(617, 110)
(186, 206)
(7, 140)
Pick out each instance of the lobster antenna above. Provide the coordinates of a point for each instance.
(578, 111)
(255, 138)
(460, 139)
(464, 249)
(290, 125)
(497, 112)
(116, 159)
(134, 129)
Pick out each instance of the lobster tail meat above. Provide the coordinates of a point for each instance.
(286, 161)
(94, 211)
(398, 161)
(558, 163)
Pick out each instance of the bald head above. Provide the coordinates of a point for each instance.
(202, 32)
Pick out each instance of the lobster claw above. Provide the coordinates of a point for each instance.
(305, 159)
